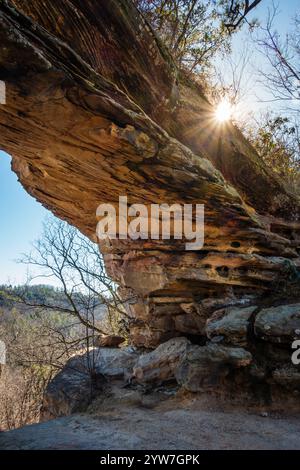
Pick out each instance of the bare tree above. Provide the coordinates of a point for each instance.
(75, 262)
(283, 56)
(21, 392)
(42, 332)
(33, 357)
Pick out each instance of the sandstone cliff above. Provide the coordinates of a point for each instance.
(96, 109)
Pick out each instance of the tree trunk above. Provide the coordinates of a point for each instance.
(96, 108)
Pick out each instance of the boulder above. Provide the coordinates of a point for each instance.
(68, 392)
(159, 365)
(287, 376)
(278, 324)
(108, 341)
(231, 323)
(203, 367)
(114, 363)
(77, 383)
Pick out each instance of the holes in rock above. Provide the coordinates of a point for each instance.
(207, 266)
(235, 244)
(223, 271)
(197, 339)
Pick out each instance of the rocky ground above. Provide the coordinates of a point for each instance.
(193, 423)
(174, 397)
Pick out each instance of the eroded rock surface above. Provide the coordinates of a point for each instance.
(83, 377)
(160, 364)
(288, 376)
(203, 368)
(278, 324)
(96, 109)
(232, 324)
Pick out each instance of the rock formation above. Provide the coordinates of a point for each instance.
(84, 377)
(108, 341)
(96, 108)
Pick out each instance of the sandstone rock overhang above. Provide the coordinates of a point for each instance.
(96, 108)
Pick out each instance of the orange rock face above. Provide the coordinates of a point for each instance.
(95, 109)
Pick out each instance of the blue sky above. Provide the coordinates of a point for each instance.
(255, 96)
(21, 215)
(21, 222)
(287, 9)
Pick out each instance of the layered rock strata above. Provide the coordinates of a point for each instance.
(96, 109)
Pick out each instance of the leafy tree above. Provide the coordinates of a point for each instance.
(277, 140)
(195, 30)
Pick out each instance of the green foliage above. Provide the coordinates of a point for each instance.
(193, 30)
(34, 293)
(277, 142)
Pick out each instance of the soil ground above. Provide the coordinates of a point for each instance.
(171, 424)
